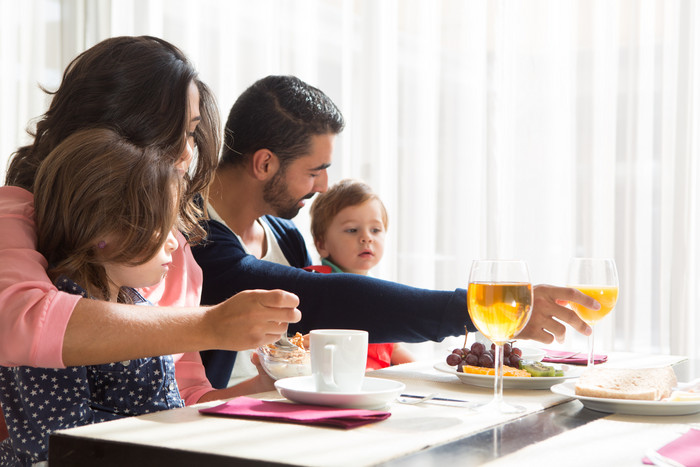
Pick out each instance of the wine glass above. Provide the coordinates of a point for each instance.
(500, 302)
(597, 278)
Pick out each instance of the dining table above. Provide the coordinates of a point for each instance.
(554, 429)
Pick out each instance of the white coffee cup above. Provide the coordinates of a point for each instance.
(338, 359)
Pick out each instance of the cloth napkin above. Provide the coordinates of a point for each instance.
(247, 407)
(564, 356)
(684, 450)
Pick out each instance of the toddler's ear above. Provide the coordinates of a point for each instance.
(320, 247)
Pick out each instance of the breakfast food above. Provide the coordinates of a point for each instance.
(540, 370)
(478, 360)
(507, 371)
(281, 362)
(651, 384)
(478, 355)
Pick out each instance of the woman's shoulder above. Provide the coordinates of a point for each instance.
(16, 201)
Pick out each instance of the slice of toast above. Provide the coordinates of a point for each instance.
(618, 383)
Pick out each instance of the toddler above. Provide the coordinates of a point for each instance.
(348, 225)
(105, 211)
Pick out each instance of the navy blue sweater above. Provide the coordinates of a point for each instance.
(391, 312)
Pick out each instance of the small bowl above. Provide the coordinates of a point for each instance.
(531, 354)
(281, 363)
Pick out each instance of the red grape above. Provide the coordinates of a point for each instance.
(478, 348)
(486, 360)
(506, 349)
(453, 359)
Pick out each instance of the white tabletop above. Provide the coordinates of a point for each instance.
(410, 428)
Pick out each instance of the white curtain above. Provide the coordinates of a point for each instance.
(538, 129)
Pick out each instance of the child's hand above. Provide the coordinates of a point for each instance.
(263, 379)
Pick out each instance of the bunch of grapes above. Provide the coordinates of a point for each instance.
(477, 355)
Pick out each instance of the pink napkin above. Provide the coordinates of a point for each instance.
(564, 356)
(684, 450)
(246, 407)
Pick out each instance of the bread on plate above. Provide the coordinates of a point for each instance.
(651, 384)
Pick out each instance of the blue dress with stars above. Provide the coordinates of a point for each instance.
(38, 401)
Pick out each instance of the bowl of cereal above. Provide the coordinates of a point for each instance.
(281, 362)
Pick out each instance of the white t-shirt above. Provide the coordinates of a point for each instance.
(243, 369)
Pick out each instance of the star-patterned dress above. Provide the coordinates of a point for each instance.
(38, 401)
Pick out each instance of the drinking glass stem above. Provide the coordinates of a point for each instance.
(590, 349)
(498, 380)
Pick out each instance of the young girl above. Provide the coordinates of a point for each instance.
(348, 224)
(105, 212)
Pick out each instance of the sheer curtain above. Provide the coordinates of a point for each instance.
(535, 129)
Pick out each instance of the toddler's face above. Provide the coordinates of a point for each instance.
(354, 240)
(147, 274)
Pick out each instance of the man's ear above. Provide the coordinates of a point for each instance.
(320, 247)
(265, 164)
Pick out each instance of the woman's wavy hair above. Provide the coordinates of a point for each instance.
(98, 187)
(136, 86)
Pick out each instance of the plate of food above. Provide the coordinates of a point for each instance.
(476, 363)
(642, 391)
(560, 373)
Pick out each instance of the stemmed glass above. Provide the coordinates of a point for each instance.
(500, 302)
(597, 278)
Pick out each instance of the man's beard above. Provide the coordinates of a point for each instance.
(277, 196)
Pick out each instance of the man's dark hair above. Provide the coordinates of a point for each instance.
(281, 114)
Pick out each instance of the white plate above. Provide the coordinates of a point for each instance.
(375, 393)
(513, 382)
(629, 407)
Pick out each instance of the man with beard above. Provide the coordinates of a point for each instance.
(278, 143)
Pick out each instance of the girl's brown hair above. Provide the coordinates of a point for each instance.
(136, 86)
(94, 187)
(343, 194)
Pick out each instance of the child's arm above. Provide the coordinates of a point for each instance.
(195, 387)
(401, 355)
(260, 383)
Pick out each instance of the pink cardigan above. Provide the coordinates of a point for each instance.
(34, 314)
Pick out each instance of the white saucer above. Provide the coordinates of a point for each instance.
(375, 393)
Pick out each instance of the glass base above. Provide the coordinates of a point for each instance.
(501, 407)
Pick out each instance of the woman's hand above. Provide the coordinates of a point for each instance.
(250, 319)
(549, 312)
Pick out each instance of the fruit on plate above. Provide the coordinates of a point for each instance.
(507, 371)
(477, 355)
(540, 370)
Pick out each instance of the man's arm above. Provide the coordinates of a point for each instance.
(391, 312)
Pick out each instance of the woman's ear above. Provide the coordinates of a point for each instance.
(265, 164)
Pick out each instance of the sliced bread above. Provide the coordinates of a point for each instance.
(619, 383)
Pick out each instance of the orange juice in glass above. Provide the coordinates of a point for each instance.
(606, 296)
(597, 278)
